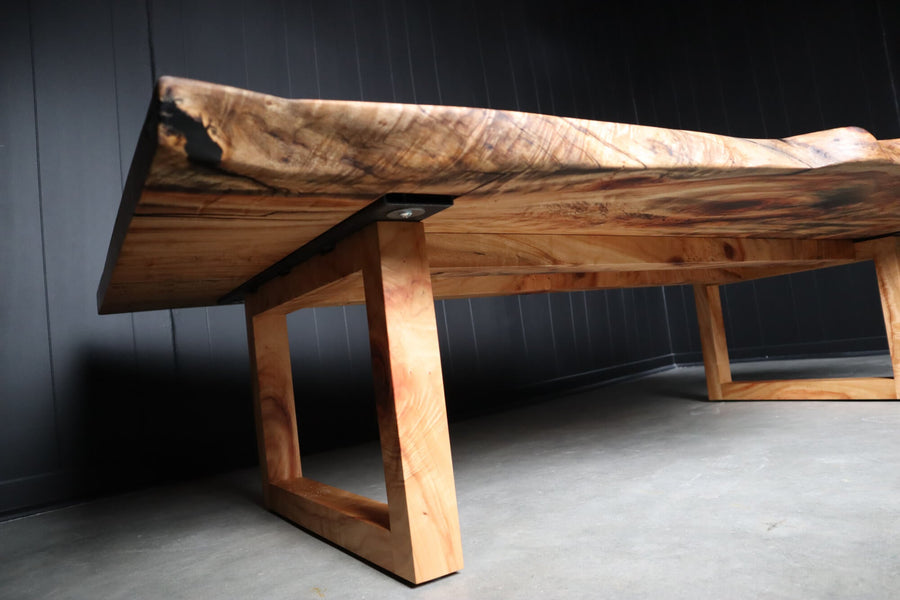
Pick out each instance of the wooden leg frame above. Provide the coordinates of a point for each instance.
(886, 255)
(416, 534)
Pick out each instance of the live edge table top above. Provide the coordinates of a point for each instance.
(225, 182)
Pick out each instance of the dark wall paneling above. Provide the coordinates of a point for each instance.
(171, 32)
(215, 41)
(359, 369)
(75, 79)
(462, 372)
(540, 340)
(152, 331)
(776, 305)
(263, 34)
(838, 312)
(215, 49)
(565, 336)
(28, 445)
(682, 322)
(141, 391)
(79, 170)
(414, 28)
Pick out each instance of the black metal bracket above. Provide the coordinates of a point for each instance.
(390, 207)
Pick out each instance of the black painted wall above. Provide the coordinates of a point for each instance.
(93, 404)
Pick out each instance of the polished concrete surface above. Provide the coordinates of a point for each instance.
(634, 490)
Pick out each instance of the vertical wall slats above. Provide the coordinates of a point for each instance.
(154, 352)
(75, 91)
(28, 444)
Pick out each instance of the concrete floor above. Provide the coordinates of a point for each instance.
(635, 490)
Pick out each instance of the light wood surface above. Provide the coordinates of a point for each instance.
(354, 522)
(837, 388)
(225, 182)
(323, 275)
(474, 255)
(273, 399)
(416, 534)
(221, 139)
(712, 339)
(477, 254)
(885, 253)
(409, 393)
(505, 285)
(348, 289)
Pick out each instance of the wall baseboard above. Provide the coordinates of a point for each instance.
(499, 401)
(599, 377)
(828, 349)
(29, 495)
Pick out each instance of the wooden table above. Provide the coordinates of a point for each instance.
(235, 196)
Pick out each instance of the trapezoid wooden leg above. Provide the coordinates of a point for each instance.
(712, 339)
(409, 392)
(273, 399)
(353, 522)
(416, 534)
(886, 255)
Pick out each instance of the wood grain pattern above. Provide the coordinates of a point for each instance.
(159, 273)
(217, 138)
(273, 399)
(858, 388)
(409, 393)
(489, 265)
(230, 180)
(843, 201)
(712, 339)
(446, 288)
(476, 254)
(298, 289)
(886, 254)
(892, 149)
(415, 535)
(322, 276)
(354, 522)
(349, 290)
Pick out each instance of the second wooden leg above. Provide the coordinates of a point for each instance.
(887, 266)
(715, 351)
(712, 339)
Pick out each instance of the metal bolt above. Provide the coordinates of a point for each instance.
(404, 214)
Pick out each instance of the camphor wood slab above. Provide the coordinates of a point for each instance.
(226, 182)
